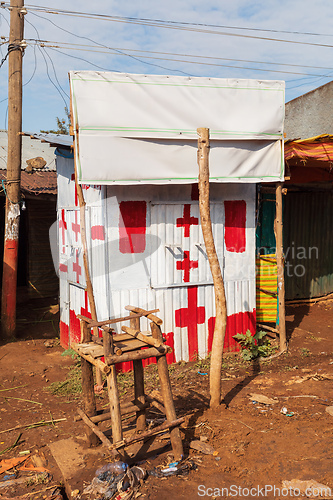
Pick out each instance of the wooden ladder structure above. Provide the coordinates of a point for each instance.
(132, 345)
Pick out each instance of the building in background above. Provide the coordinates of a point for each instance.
(36, 273)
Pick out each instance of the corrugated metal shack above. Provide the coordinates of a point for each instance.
(136, 157)
(36, 274)
(308, 217)
(307, 224)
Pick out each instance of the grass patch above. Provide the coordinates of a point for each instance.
(72, 386)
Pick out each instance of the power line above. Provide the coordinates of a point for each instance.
(124, 51)
(101, 45)
(166, 24)
(185, 23)
(47, 67)
(81, 59)
(185, 61)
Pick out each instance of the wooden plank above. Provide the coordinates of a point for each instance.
(144, 435)
(147, 314)
(95, 429)
(214, 264)
(96, 362)
(117, 431)
(278, 231)
(151, 352)
(124, 409)
(141, 336)
(117, 320)
(88, 393)
(139, 384)
(131, 344)
(163, 373)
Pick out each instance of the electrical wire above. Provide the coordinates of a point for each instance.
(104, 46)
(191, 62)
(47, 67)
(163, 24)
(55, 74)
(35, 69)
(81, 59)
(149, 20)
(72, 46)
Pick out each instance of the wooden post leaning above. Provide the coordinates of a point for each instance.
(87, 377)
(111, 378)
(139, 384)
(170, 412)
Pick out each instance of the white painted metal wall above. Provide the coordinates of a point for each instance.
(170, 270)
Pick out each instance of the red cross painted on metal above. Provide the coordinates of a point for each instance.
(186, 265)
(63, 227)
(63, 268)
(190, 318)
(76, 226)
(97, 233)
(77, 267)
(187, 221)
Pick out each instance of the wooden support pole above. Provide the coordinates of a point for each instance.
(99, 434)
(141, 336)
(125, 410)
(88, 393)
(144, 435)
(12, 183)
(151, 352)
(82, 205)
(139, 384)
(147, 314)
(117, 432)
(278, 230)
(117, 320)
(220, 300)
(163, 373)
(93, 361)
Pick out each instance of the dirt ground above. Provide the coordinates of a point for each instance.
(256, 445)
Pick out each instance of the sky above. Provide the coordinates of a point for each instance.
(290, 40)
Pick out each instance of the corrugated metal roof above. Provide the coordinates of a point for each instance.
(36, 183)
(61, 140)
(31, 148)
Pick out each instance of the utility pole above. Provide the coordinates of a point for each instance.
(13, 182)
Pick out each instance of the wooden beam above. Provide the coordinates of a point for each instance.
(141, 336)
(148, 434)
(117, 320)
(220, 299)
(139, 383)
(89, 400)
(147, 314)
(278, 230)
(117, 431)
(151, 352)
(163, 373)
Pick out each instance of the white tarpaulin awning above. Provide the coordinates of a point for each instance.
(134, 129)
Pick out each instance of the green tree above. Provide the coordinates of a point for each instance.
(63, 125)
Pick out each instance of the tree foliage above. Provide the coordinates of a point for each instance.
(62, 123)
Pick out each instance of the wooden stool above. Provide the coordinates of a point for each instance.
(132, 345)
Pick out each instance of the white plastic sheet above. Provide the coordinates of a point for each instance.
(132, 129)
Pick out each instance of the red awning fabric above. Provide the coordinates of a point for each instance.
(318, 149)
